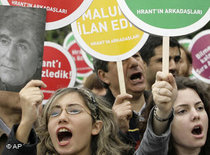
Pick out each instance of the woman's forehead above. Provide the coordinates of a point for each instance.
(69, 98)
(186, 96)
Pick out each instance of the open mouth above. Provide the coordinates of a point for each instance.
(64, 135)
(136, 76)
(197, 130)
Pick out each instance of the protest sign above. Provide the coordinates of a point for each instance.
(200, 50)
(58, 68)
(83, 70)
(21, 45)
(87, 57)
(104, 32)
(59, 12)
(167, 18)
(68, 39)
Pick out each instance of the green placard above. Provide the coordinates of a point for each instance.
(68, 39)
(167, 17)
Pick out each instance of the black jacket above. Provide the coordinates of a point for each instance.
(15, 147)
(137, 126)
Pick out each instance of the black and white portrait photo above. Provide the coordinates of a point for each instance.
(21, 45)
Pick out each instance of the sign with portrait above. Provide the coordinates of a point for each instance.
(105, 33)
(166, 17)
(21, 45)
(59, 12)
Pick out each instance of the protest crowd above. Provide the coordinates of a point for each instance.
(160, 113)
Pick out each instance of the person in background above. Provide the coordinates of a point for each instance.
(21, 46)
(133, 105)
(151, 53)
(185, 63)
(10, 114)
(94, 84)
(74, 121)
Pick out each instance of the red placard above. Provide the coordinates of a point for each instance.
(58, 69)
(59, 12)
(75, 51)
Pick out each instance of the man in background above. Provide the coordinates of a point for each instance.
(132, 105)
(151, 53)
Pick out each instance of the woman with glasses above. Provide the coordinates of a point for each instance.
(73, 121)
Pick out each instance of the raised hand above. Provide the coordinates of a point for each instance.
(31, 98)
(122, 111)
(164, 92)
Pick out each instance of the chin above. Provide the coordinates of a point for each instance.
(199, 144)
(136, 93)
(138, 89)
(64, 152)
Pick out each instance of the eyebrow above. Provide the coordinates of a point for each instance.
(5, 36)
(19, 41)
(56, 106)
(24, 41)
(186, 105)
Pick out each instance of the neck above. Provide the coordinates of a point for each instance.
(180, 150)
(137, 103)
(149, 86)
(86, 150)
(10, 117)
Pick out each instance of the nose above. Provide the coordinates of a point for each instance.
(172, 66)
(195, 115)
(63, 118)
(133, 62)
(11, 52)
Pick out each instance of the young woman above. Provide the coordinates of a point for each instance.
(74, 121)
(190, 125)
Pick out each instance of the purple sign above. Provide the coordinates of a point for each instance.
(200, 50)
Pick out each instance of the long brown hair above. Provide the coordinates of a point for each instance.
(106, 142)
(199, 87)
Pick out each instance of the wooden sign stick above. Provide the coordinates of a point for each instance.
(165, 55)
(121, 77)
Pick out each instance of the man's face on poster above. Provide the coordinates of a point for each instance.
(18, 56)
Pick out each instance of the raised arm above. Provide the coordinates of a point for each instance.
(31, 97)
(157, 134)
(164, 92)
